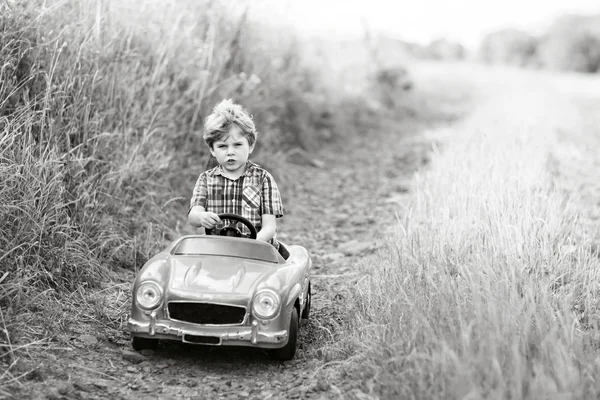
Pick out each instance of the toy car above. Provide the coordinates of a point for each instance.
(222, 289)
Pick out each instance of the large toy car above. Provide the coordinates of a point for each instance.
(222, 289)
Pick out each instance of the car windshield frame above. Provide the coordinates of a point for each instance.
(226, 247)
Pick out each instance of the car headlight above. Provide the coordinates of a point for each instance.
(148, 295)
(265, 304)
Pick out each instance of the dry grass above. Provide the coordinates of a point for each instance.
(101, 108)
(486, 289)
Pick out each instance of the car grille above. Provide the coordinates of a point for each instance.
(207, 313)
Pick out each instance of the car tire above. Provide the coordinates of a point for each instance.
(139, 343)
(306, 311)
(288, 351)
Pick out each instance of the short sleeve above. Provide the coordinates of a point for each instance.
(271, 198)
(200, 193)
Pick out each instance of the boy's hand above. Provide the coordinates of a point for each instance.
(208, 219)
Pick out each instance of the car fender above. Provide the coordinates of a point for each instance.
(293, 294)
(286, 281)
(156, 269)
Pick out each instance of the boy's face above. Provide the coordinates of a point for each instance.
(232, 150)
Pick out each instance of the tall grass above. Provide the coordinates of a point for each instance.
(101, 109)
(486, 289)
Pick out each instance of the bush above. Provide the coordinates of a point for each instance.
(573, 44)
(443, 49)
(508, 46)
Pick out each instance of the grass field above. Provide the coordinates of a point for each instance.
(489, 286)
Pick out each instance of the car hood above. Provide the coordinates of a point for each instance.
(216, 274)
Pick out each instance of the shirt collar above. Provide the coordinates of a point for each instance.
(250, 166)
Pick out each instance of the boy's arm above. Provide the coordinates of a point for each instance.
(200, 218)
(272, 208)
(197, 215)
(198, 201)
(268, 228)
(194, 216)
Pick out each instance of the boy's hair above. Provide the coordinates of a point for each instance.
(223, 117)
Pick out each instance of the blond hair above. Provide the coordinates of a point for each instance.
(225, 115)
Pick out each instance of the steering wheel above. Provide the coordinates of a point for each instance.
(231, 229)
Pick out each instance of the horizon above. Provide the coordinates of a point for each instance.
(335, 19)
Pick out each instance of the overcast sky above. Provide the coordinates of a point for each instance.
(421, 20)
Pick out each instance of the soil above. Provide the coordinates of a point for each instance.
(338, 201)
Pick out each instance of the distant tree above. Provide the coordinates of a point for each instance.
(572, 43)
(443, 49)
(509, 46)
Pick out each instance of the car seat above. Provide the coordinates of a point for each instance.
(283, 250)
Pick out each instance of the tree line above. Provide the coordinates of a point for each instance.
(571, 43)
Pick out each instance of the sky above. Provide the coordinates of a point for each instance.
(421, 21)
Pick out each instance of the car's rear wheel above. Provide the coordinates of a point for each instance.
(288, 351)
(140, 343)
(306, 311)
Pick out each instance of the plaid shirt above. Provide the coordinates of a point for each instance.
(251, 195)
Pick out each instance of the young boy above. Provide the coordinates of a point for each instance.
(237, 185)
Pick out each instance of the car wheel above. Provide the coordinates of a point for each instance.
(306, 311)
(140, 343)
(288, 351)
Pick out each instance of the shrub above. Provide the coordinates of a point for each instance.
(443, 49)
(572, 43)
(508, 46)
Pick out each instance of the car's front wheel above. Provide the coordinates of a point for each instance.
(140, 343)
(288, 351)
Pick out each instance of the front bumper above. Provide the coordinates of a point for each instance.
(255, 335)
